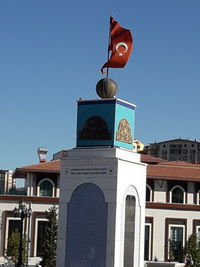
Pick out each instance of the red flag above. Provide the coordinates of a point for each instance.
(121, 44)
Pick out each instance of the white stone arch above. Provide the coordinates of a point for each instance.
(151, 193)
(132, 191)
(182, 189)
(43, 180)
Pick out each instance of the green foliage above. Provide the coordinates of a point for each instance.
(192, 249)
(12, 251)
(50, 239)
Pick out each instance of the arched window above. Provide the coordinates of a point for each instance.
(46, 188)
(148, 193)
(177, 195)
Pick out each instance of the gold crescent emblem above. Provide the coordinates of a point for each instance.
(121, 48)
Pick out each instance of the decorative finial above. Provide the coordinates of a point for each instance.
(106, 88)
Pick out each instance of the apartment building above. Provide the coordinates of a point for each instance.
(176, 149)
(6, 181)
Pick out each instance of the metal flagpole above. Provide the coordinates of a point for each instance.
(109, 37)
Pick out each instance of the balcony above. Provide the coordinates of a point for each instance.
(15, 192)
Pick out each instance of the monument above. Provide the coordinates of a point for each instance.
(102, 185)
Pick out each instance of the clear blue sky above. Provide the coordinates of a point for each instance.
(51, 52)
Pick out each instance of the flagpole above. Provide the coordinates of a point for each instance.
(109, 36)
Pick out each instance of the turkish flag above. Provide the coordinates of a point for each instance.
(121, 44)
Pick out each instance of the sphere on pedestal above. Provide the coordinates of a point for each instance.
(106, 88)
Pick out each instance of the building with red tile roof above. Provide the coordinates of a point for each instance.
(172, 204)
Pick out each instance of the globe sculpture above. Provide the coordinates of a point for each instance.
(106, 88)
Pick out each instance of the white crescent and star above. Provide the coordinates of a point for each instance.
(118, 46)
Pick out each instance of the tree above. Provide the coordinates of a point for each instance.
(50, 239)
(191, 248)
(12, 251)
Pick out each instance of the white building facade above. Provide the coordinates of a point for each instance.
(172, 209)
(42, 192)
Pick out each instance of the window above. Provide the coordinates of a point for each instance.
(185, 157)
(198, 235)
(40, 224)
(177, 194)
(176, 242)
(164, 151)
(46, 188)
(192, 151)
(175, 229)
(172, 151)
(198, 197)
(148, 193)
(185, 151)
(179, 145)
(173, 146)
(148, 238)
(13, 225)
(192, 158)
(196, 229)
(185, 145)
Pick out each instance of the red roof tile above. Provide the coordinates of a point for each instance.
(50, 166)
(170, 172)
(54, 166)
(179, 163)
(156, 169)
(150, 159)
